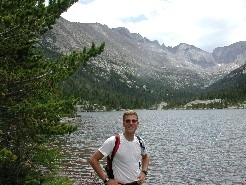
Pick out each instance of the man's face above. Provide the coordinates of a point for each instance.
(130, 123)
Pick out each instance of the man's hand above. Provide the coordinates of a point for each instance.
(113, 182)
(141, 178)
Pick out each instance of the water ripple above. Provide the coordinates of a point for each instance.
(194, 147)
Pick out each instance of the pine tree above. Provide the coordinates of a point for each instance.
(31, 104)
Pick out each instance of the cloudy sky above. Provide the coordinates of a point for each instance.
(206, 24)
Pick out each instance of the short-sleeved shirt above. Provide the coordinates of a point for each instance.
(126, 160)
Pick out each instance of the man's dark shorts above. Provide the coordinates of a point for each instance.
(132, 183)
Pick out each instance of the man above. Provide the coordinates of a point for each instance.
(125, 165)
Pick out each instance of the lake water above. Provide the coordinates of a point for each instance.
(192, 147)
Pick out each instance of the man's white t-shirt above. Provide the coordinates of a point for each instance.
(126, 160)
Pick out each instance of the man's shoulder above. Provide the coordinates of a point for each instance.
(111, 139)
(138, 137)
(114, 138)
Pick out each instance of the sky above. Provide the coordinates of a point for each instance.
(206, 24)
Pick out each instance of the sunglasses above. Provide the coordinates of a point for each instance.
(131, 120)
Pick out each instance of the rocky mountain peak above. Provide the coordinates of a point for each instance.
(227, 54)
(183, 66)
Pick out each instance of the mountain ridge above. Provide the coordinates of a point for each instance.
(180, 68)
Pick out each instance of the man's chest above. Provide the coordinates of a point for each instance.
(128, 152)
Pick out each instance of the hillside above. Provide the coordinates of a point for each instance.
(232, 87)
(135, 71)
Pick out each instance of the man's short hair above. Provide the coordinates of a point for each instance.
(129, 112)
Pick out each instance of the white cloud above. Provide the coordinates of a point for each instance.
(206, 24)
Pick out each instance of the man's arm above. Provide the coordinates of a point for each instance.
(145, 162)
(145, 165)
(94, 162)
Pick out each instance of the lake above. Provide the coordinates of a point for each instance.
(192, 147)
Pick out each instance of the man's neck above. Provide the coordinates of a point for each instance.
(129, 137)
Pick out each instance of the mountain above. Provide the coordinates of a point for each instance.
(132, 64)
(232, 86)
